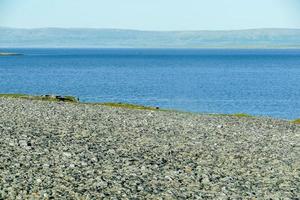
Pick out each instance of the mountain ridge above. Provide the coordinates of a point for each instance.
(127, 38)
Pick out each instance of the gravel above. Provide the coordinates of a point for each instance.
(52, 150)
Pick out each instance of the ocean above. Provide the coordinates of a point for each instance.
(257, 82)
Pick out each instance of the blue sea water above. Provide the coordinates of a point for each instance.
(258, 82)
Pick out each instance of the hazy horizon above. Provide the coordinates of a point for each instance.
(144, 30)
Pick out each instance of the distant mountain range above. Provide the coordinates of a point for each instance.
(115, 38)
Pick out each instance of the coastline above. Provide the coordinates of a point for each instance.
(101, 151)
(10, 54)
(73, 99)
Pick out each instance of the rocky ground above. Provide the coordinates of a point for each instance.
(56, 150)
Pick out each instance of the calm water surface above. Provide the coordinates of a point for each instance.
(258, 82)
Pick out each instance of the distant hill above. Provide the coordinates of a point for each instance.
(114, 38)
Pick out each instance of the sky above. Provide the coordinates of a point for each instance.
(160, 15)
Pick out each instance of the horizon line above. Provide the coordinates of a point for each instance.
(141, 30)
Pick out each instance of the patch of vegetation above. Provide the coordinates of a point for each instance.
(13, 95)
(296, 121)
(241, 115)
(42, 98)
(73, 99)
(126, 105)
(70, 99)
(236, 115)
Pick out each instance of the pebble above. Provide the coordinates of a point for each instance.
(220, 126)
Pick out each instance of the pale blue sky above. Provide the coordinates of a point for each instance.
(152, 14)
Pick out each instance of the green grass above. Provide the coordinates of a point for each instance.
(13, 95)
(235, 115)
(42, 98)
(296, 121)
(75, 100)
(241, 115)
(70, 99)
(125, 105)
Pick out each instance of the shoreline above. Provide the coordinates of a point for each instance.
(10, 54)
(73, 99)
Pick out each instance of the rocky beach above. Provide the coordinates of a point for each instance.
(64, 150)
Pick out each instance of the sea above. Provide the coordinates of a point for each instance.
(263, 82)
